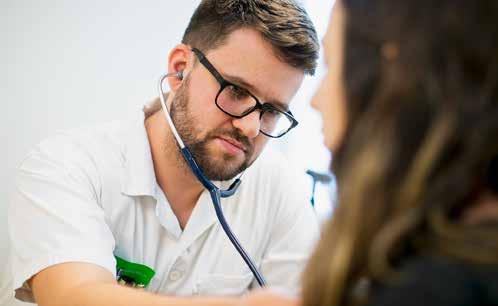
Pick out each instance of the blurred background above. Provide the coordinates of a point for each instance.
(73, 63)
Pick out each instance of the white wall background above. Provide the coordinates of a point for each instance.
(71, 63)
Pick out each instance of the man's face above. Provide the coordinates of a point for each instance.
(224, 146)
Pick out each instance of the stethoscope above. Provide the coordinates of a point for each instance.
(215, 192)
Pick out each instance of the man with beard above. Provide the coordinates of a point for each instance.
(118, 204)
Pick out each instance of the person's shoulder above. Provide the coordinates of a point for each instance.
(77, 148)
(445, 267)
(90, 138)
(432, 269)
(88, 135)
(435, 280)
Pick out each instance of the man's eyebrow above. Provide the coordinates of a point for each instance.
(246, 85)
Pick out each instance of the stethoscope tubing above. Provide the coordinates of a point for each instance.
(215, 192)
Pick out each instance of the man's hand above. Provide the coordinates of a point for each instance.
(268, 297)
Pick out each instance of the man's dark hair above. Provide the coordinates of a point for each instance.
(283, 23)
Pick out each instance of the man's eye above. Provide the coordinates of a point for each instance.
(237, 92)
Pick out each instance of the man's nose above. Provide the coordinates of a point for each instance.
(248, 125)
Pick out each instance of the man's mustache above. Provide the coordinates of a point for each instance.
(233, 134)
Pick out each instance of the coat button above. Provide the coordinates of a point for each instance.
(175, 275)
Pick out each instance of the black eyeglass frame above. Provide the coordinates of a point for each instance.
(264, 107)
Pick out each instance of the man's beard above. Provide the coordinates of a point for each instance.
(224, 167)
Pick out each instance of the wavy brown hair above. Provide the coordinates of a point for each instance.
(421, 146)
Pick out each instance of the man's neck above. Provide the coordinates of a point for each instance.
(175, 178)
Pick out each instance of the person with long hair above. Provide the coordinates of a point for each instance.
(410, 111)
(410, 114)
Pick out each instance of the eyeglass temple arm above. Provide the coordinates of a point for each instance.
(202, 58)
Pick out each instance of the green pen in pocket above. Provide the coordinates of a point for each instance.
(133, 274)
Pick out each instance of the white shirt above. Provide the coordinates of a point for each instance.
(89, 194)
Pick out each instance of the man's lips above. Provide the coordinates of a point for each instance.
(234, 143)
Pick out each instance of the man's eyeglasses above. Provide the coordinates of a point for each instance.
(238, 102)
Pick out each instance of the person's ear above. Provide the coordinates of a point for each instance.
(178, 62)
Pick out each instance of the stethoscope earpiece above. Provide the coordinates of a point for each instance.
(178, 75)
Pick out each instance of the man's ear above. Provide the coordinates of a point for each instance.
(178, 61)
